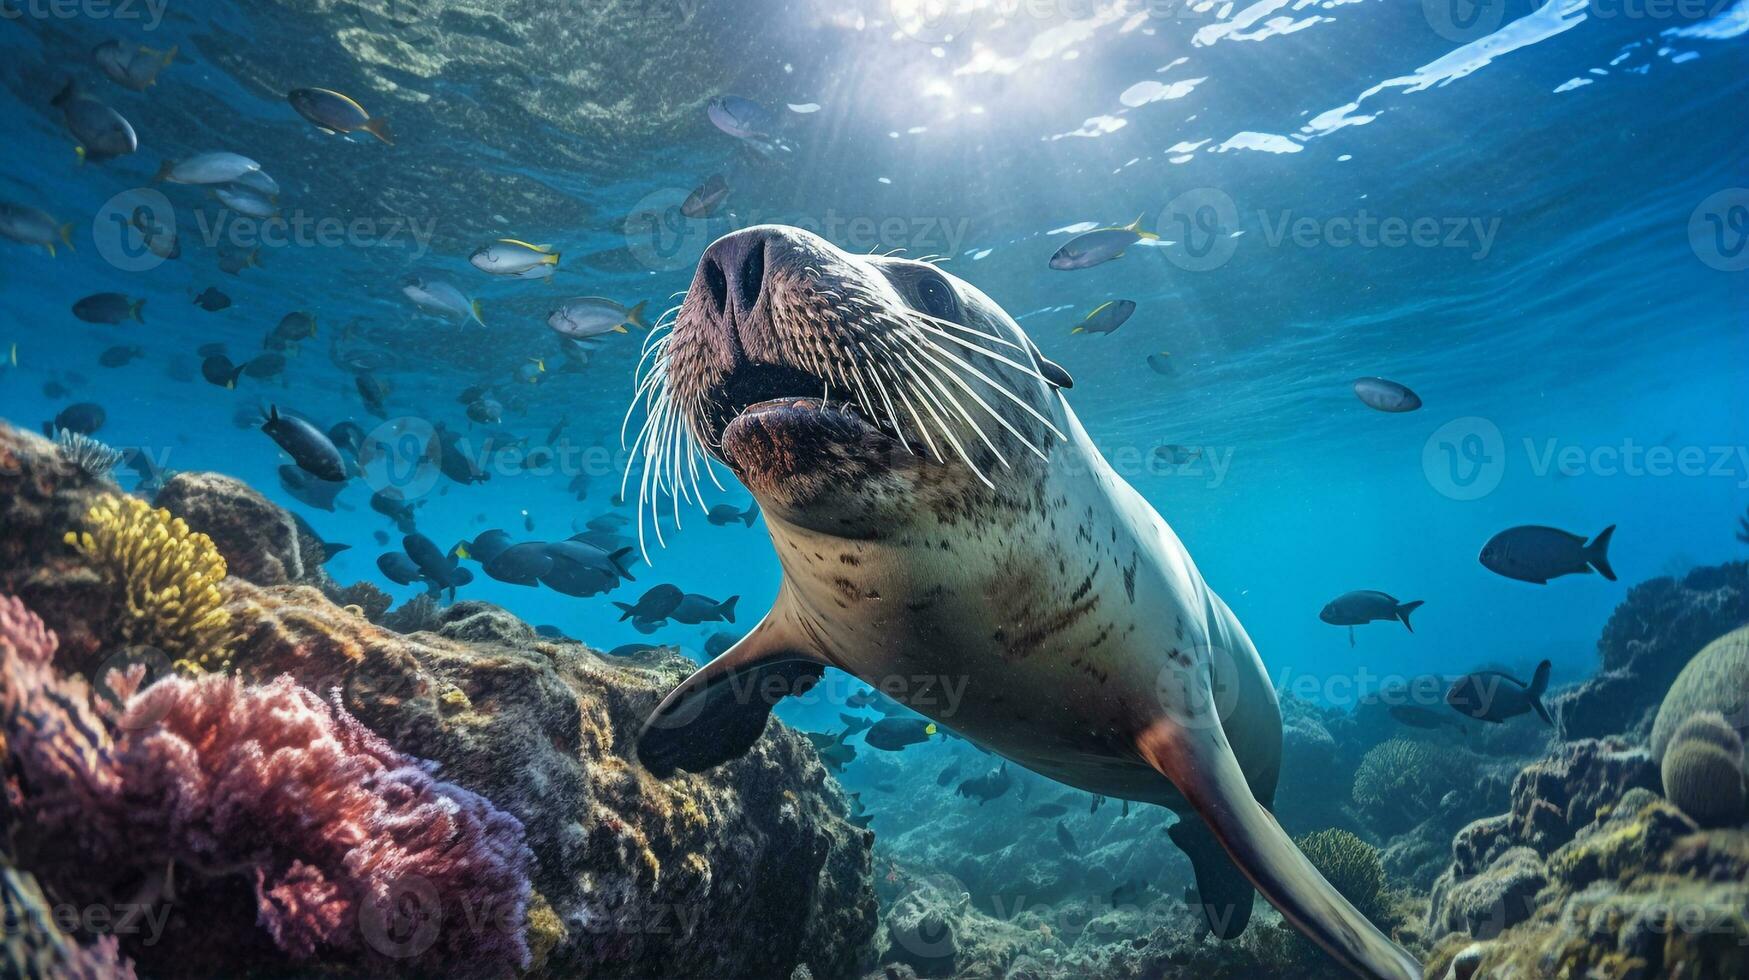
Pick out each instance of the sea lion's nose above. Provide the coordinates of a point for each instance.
(733, 271)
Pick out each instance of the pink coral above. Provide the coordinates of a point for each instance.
(354, 851)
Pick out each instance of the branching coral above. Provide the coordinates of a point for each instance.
(1406, 778)
(354, 852)
(1350, 864)
(170, 576)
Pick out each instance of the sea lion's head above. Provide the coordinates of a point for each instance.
(849, 391)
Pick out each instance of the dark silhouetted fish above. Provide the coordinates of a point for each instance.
(212, 301)
(894, 734)
(947, 776)
(726, 514)
(654, 606)
(694, 609)
(520, 564)
(1491, 695)
(399, 568)
(309, 447)
(390, 503)
(110, 308)
(988, 786)
(1533, 553)
(83, 418)
(1363, 606)
(719, 643)
(119, 356)
(1066, 839)
(217, 369)
(1386, 396)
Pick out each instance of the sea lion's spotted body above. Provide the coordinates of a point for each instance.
(948, 533)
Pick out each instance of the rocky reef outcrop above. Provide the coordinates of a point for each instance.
(464, 800)
(1646, 643)
(1592, 872)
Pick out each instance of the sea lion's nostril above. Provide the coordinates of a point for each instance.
(717, 284)
(752, 278)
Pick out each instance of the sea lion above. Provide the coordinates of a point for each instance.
(945, 525)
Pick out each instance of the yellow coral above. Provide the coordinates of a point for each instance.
(169, 575)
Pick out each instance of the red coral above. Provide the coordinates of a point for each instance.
(334, 829)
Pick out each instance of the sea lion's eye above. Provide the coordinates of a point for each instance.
(936, 297)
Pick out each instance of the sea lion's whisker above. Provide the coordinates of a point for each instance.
(999, 388)
(922, 430)
(934, 378)
(1025, 369)
(939, 323)
(927, 398)
(971, 393)
(875, 376)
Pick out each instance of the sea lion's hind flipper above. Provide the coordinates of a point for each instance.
(719, 712)
(1199, 762)
(1224, 897)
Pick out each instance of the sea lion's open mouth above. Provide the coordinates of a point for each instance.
(780, 393)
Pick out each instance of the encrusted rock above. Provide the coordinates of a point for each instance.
(257, 537)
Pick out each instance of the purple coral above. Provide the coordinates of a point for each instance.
(354, 851)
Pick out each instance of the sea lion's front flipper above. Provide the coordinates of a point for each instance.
(719, 712)
(1200, 763)
(1224, 896)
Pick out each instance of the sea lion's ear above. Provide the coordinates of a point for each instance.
(1050, 370)
(1054, 373)
(719, 712)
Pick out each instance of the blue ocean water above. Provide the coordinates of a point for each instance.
(1533, 215)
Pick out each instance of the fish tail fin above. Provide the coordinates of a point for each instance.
(727, 607)
(79, 152)
(136, 309)
(1136, 226)
(1597, 552)
(474, 308)
(619, 563)
(751, 515)
(1079, 330)
(1404, 609)
(169, 57)
(65, 232)
(379, 127)
(625, 609)
(1539, 683)
(635, 315)
(551, 258)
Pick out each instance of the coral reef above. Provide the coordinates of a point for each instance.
(201, 788)
(1647, 642)
(747, 870)
(169, 578)
(1403, 781)
(1350, 864)
(1703, 770)
(1715, 680)
(259, 541)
